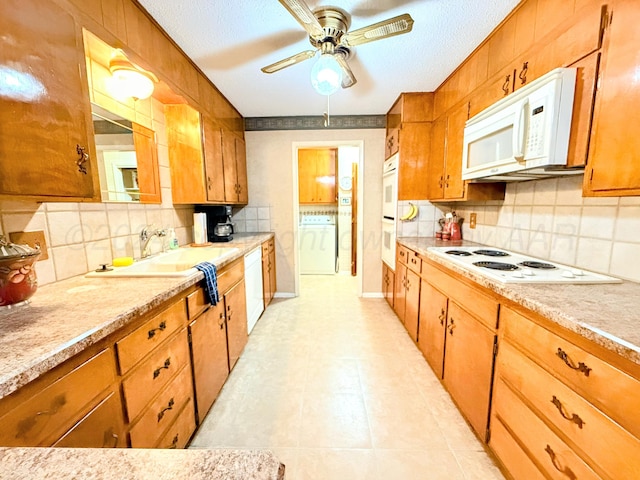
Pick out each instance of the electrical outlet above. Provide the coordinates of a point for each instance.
(472, 220)
(32, 239)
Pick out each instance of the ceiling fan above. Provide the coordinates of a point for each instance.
(328, 29)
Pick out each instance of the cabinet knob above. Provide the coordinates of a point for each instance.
(442, 316)
(168, 407)
(167, 364)
(24, 426)
(152, 332)
(574, 418)
(580, 367)
(554, 460)
(452, 325)
(523, 73)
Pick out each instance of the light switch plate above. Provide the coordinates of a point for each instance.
(472, 220)
(32, 239)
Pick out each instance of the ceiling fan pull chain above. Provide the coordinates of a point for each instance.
(327, 119)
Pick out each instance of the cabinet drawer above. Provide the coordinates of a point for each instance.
(402, 254)
(135, 346)
(483, 307)
(511, 455)
(180, 432)
(230, 276)
(154, 373)
(414, 262)
(163, 411)
(557, 459)
(101, 428)
(611, 390)
(196, 303)
(610, 447)
(56, 407)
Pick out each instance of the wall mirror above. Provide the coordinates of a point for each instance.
(127, 159)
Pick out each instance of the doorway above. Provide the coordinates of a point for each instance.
(347, 197)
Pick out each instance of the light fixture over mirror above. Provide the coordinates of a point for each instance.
(129, 80)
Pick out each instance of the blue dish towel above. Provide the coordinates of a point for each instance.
(210, 281)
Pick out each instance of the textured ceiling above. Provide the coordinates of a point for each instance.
(230, 40)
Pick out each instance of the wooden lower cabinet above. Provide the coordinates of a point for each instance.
(210, 357)
(433, 321)
(179, 434)
(468, 366)
(268, 270)
(388, 284)
(236, 314)
(511, 454)
(570, 409)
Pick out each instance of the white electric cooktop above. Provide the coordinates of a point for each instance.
(510, 267)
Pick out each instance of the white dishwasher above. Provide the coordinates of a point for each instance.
(253, 286)
(317, 244)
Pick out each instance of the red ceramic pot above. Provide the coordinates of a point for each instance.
(18, 281)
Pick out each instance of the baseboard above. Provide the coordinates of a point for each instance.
(373, 295)
(284, 295)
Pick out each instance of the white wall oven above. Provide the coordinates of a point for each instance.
(389, 209)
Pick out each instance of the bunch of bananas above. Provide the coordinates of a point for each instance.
(411, 214)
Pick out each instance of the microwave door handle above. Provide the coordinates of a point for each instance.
(520, 131)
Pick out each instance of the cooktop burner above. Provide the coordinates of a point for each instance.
(460, 253)
(496, 265)
(491, 253)
(540, 265)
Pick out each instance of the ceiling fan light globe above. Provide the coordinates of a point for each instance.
(326, 75)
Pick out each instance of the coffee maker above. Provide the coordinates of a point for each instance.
(219, 225)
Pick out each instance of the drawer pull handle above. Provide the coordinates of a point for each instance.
(564, 470)
(442, 316)
(110, 438)
(28, 423)
(174, 442)
(452, 325)
(83, 157)
(161, 327)
(581, 367)
(166, 365)
(168, 407)
(573, 418)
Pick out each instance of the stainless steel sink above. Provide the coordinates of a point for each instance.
(176, 263)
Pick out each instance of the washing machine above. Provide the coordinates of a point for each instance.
(318, 244)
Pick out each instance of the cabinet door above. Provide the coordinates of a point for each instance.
(613, 167)
(306, 176)
(415, 141)
(453, 184)
(391, 145)
(433, 318)
(44, 103)
(101, 428)
(400, 289)
(266, 274)
(412, 304)
(213, 162)
(210, 359)
(325, 181)
(468, 366)
(147, 161)
(435, 171)
(272, 268)
(241, 169)
(236, 313)
(230, 168)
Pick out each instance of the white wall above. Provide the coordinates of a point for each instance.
(271, 183)
(347, 156)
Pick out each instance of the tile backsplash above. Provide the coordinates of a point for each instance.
(550, 219)
(252, 218)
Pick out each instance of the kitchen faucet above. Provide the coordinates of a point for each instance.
(146, 235)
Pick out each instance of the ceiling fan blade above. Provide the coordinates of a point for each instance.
(387, 28)
(287, 62)
(305, 17)
(348, 78)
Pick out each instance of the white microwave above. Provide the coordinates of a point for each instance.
(525, 135)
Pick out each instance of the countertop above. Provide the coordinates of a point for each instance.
(68, 316)
(607, 314)
(138, 464)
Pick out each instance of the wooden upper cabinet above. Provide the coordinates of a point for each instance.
(435, 170)
(147, 160)
(241, 170)
(213, 160)
(44, 122)
(453, 184)
(317, 175)
(235, 168)
(613, 168)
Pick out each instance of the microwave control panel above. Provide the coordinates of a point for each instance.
(535, 137)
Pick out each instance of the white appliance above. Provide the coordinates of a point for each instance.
(389, 243)
(525, 135)
(253, 286)
(389, 210)
(318, 244)
(510, 267)
(390, 188)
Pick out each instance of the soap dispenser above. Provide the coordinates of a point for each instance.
(173, 240)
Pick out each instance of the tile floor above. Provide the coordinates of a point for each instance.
(333, 385)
